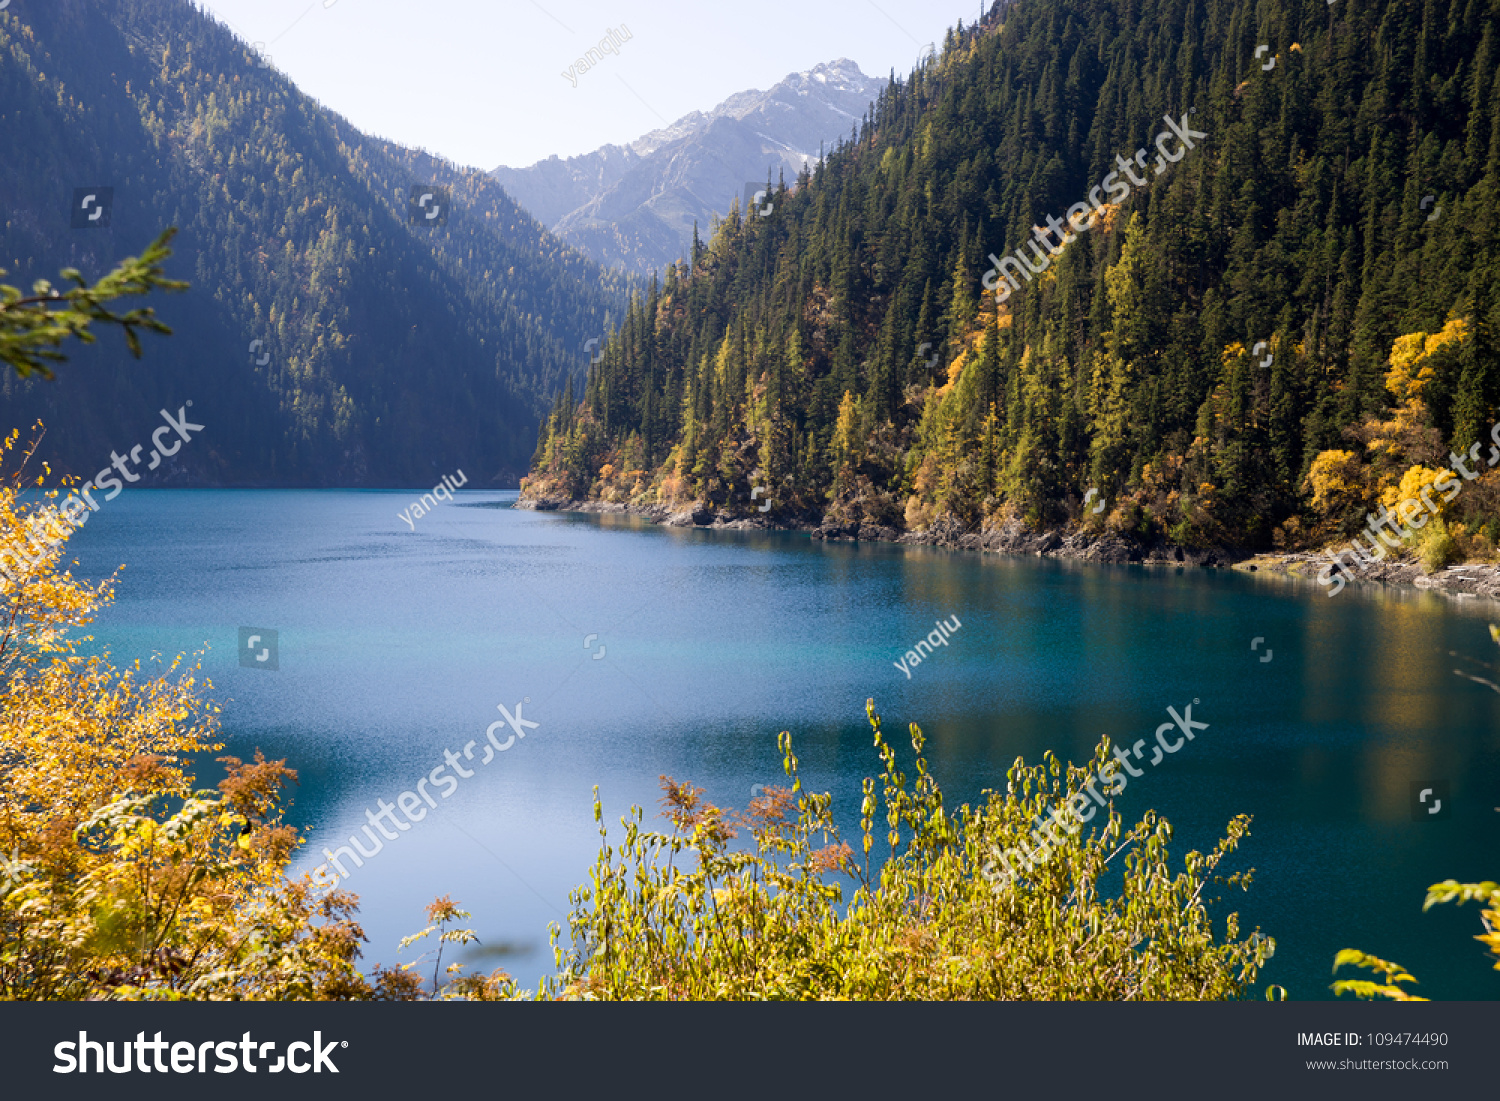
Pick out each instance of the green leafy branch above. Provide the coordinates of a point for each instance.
(32, 327)
(1391, 973)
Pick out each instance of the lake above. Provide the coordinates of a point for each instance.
(639, 651)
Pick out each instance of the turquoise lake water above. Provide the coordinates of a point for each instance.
(640, 651)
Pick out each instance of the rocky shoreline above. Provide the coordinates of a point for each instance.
(1474, 580)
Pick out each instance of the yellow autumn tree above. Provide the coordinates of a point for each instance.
(847, 437)
(1418, 502)
(1416, 358)
(1401, 453)
(1336, 480)
(120, 878)
(1416, 491)
(846, 450)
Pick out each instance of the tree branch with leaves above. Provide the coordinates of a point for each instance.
(33, 326)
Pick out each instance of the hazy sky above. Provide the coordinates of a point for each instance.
(482, 82)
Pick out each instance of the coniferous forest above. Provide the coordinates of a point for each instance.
(326, 339)
(1293, 322)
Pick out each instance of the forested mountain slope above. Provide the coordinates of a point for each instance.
(1214, 349)
(326, 339)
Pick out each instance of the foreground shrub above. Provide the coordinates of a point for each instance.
(1436, 546)
(1392, 975)
(686, 914)
(120, 879)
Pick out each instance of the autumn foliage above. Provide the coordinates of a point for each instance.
(122, 879)
(794, 911)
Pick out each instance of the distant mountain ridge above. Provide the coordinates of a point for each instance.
(634, 205)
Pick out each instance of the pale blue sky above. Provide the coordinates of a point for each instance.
(482, 82)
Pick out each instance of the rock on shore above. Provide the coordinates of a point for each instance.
(1478, 579)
